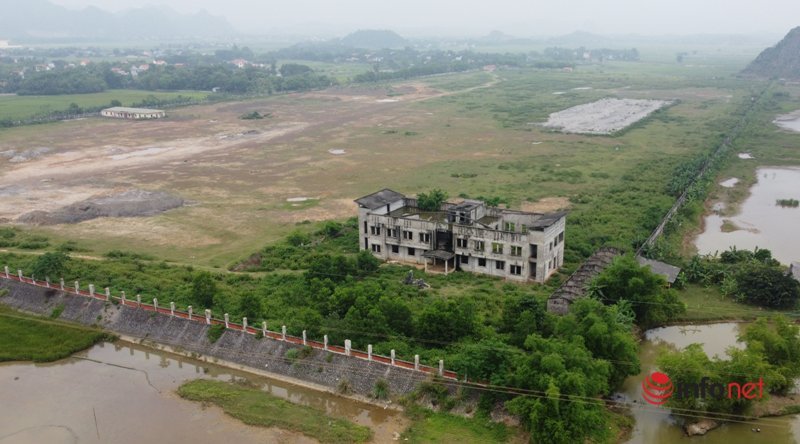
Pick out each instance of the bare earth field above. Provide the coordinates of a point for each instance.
(240, 179)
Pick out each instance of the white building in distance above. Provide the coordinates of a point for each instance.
(121, 112)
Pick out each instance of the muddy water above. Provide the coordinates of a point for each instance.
(789, 123)
(761, 222)
(124, 393)
(655, 425)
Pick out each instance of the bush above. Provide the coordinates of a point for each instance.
(381, 389)
(215, 332)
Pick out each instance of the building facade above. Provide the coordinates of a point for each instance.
(468, 236)
(121, 112)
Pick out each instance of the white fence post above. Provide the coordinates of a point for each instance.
(416, 362)
(19, 273)
(347, 347)
(108, 294)
(172, 309)
(138, 301)
(244, 324)
(392, 354)
(441, 367)
(123, 298)
(77, 287)
(6, 270)
(304, 337)
(283, 333)
(33, 279)
(62, 284)
(208, 317)
(325, 342)
(155, 304)
(264, 329)
(190, 312)
(226, 320)
(47, 281)
(369, 352)
(91, 290)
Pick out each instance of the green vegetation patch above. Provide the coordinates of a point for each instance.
(28, 338)
(443, 427)
(255, 407)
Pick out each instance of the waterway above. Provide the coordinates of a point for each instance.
(656, 425)
(761, 222)
(125, 393)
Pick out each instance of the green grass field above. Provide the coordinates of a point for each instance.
(255, 407)
(25, 107)
(30, 338)
(434, 427)
(708, 304)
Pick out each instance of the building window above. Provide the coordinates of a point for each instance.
(376, 248)
(412, 252)
(464, 260)
(500, 265)
(516, 250)
(533, 271)
(524, 228)
(395, 249)
(408, 235)
(561, 237)
(497, 248)
(479, 245)
(534, 251)
(510, 226)
(375, 230)
(516, 270)
(461, 242)
(424, 237)
(481, 262)
(393, 232)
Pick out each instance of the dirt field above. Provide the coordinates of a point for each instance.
(241, 180)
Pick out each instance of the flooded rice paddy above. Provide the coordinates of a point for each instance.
(761, 222)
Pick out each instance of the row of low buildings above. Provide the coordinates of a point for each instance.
(468, 235)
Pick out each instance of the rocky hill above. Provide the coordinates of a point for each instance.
(781, 61)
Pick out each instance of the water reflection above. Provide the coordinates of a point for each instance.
(761, 222)
(655, 425)
(131, 390)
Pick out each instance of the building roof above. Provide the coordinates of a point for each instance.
(670, 272)
(379, 199)
(795, 270)
(124, 109)
(575, 287)
(547, 219)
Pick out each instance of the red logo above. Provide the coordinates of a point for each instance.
(657, 388)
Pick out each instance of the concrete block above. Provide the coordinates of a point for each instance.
(227, 320)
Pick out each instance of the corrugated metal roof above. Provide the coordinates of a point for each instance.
(670, 272)
(379, 199)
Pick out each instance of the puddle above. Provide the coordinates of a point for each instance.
(764, 224)
(745, 156)
(130, 390)
(337, 152)
(558, 93)
(789, 122)
(582, 88)
(386, 101)
(298, 199)
(655, 425)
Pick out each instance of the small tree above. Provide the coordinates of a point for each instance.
(50, 265)
(432, 200)
(203, 289)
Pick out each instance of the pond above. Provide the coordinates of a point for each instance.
(760, 222)
(655, 425)
(125, 393)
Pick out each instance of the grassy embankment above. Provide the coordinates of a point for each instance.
(30, 338)
(255, 407)
(27, 107)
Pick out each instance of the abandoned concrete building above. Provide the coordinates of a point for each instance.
(121, 112)
(468, 236)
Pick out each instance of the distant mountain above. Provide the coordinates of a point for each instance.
(374, 39)
(781, 61)
(33, 20)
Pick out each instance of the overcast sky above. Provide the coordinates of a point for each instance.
(469, 17)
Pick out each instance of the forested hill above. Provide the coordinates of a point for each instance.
(374, 39)
(781, 61)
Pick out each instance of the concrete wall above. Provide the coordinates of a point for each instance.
(265, 354)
